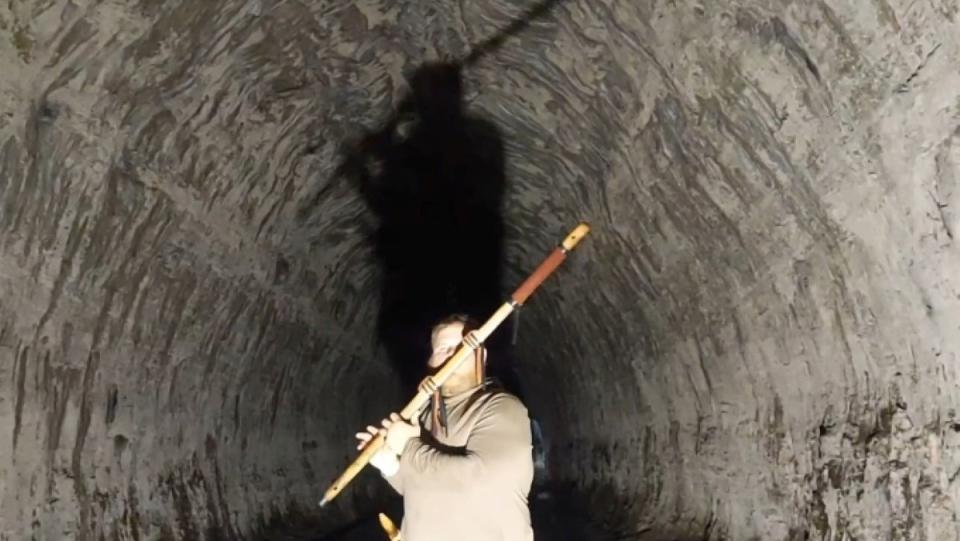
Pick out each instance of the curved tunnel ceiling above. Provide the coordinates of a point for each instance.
(758, 340)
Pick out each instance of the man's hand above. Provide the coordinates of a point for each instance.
(399, 432)
(366, 437)
(385, 459)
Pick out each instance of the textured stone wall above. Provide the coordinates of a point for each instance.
(174, 359)
(758, 340)
(770, 300)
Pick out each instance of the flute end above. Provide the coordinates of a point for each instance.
(576, 236)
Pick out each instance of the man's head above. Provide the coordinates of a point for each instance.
(437, 90)
(445, 340)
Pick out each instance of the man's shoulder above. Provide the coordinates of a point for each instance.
(499, 400)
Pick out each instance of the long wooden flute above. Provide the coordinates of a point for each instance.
(471, 342)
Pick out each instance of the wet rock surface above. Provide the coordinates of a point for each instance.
(758, 340)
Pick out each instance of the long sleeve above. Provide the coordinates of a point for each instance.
(387, 461)
(395, 479)
(499, 446)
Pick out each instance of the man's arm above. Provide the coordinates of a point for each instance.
(500, 444)
(386, 460)
(389, 465)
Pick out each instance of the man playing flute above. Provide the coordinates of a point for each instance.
(465, 467)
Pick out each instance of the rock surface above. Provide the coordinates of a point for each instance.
(759, 340)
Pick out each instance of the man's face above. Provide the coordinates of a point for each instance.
(445, 343)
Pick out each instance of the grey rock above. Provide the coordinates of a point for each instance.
(758, 340)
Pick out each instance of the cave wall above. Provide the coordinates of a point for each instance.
(172, 365)
(765, 313)
(769, 304)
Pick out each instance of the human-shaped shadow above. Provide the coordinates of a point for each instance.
(434, 178)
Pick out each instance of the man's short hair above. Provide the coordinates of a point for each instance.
(469, 323)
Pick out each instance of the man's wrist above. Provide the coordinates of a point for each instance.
(389, 449)
(386, 461)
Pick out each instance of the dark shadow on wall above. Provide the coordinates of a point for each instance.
(434, 178)
(433, 175)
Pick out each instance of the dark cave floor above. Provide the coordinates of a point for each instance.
(557, 515)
